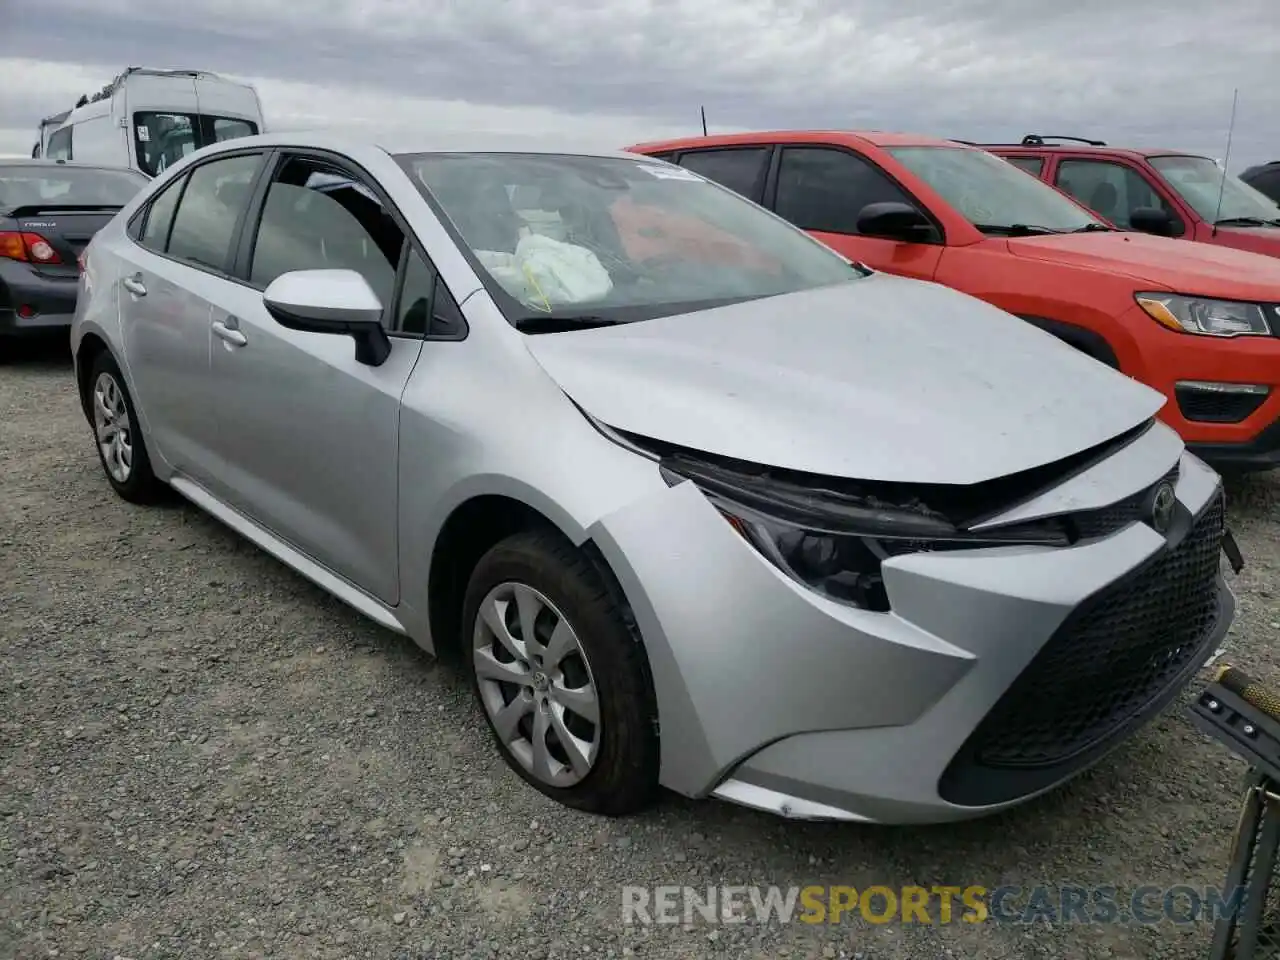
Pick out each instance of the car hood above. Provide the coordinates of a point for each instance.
(1202, 269)
(882, 378)
(1265, 240)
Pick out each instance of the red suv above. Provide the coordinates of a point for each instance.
(1199, 323)
(1164, 192)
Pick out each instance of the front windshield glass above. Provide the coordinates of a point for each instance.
(990, 192)
(1198, 181)
(56, 185)
(615, 239)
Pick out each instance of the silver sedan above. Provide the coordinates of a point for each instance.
(703, 504)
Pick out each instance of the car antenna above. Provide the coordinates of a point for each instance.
(704, 120)
(1222, 186)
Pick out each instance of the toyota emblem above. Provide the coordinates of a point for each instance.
(1163, 502)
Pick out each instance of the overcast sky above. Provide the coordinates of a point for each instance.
(1141, 72)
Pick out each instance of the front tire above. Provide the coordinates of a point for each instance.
(562, 680)
(121, 449)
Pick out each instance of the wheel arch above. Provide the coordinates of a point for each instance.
(473, 527)
(91, 346)
(1083, 339)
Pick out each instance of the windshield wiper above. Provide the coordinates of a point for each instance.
(545, 323)
(1095, 228)
(1015, 229)
(1246, 222)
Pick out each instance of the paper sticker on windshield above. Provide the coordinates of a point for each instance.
(144, 133)
(668, 173)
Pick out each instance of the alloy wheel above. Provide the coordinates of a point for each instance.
(536, 684)
(112, 427)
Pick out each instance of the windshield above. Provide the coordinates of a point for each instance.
(616, 239)
(1198, 181)
(990, 192)
(24, 186)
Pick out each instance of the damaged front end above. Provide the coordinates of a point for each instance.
(833, 535)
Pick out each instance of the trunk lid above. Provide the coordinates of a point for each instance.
(67, 230)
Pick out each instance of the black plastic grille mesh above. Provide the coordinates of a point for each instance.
(1110, 658)
(1206, 406)
(1107, 520)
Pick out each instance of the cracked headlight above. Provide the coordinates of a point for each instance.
(835, 544)
(1210, 318)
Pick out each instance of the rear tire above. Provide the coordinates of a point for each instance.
(121, 449)
(563, 682)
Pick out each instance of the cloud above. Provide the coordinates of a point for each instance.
(1140, 72)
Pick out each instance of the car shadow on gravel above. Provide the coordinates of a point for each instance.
(31, 353)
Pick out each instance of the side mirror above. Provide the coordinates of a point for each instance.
(331, 301)
(1152, 220)
(892, 220)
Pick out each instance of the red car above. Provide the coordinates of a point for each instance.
(1199, 323)
(1165, 192)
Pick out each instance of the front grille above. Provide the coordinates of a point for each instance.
(1105, 521)
(1109, 661)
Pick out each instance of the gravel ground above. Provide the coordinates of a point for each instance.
(201, 755)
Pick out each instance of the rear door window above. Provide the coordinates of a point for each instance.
(217, 195)
(159, 217)
(741, 169)
(228, 128)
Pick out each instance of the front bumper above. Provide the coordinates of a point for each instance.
(1165, 358)
(771, 696)
(33, 304)
(1262, 452)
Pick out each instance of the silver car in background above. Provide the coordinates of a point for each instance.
(700, 503)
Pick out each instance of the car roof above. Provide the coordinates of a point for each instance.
(448, 142)
(876, 138)
(1140, 153)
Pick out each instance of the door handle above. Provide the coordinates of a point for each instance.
(135, 285)
(231, 336)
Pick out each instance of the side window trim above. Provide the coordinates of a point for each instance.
(408, 249)
(185, 177)
(168, 233)
(143, 217)
(771, 186)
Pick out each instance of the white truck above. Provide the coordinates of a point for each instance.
(148, 118)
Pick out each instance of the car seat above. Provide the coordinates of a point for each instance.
(484, 215)
(1103, 200)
